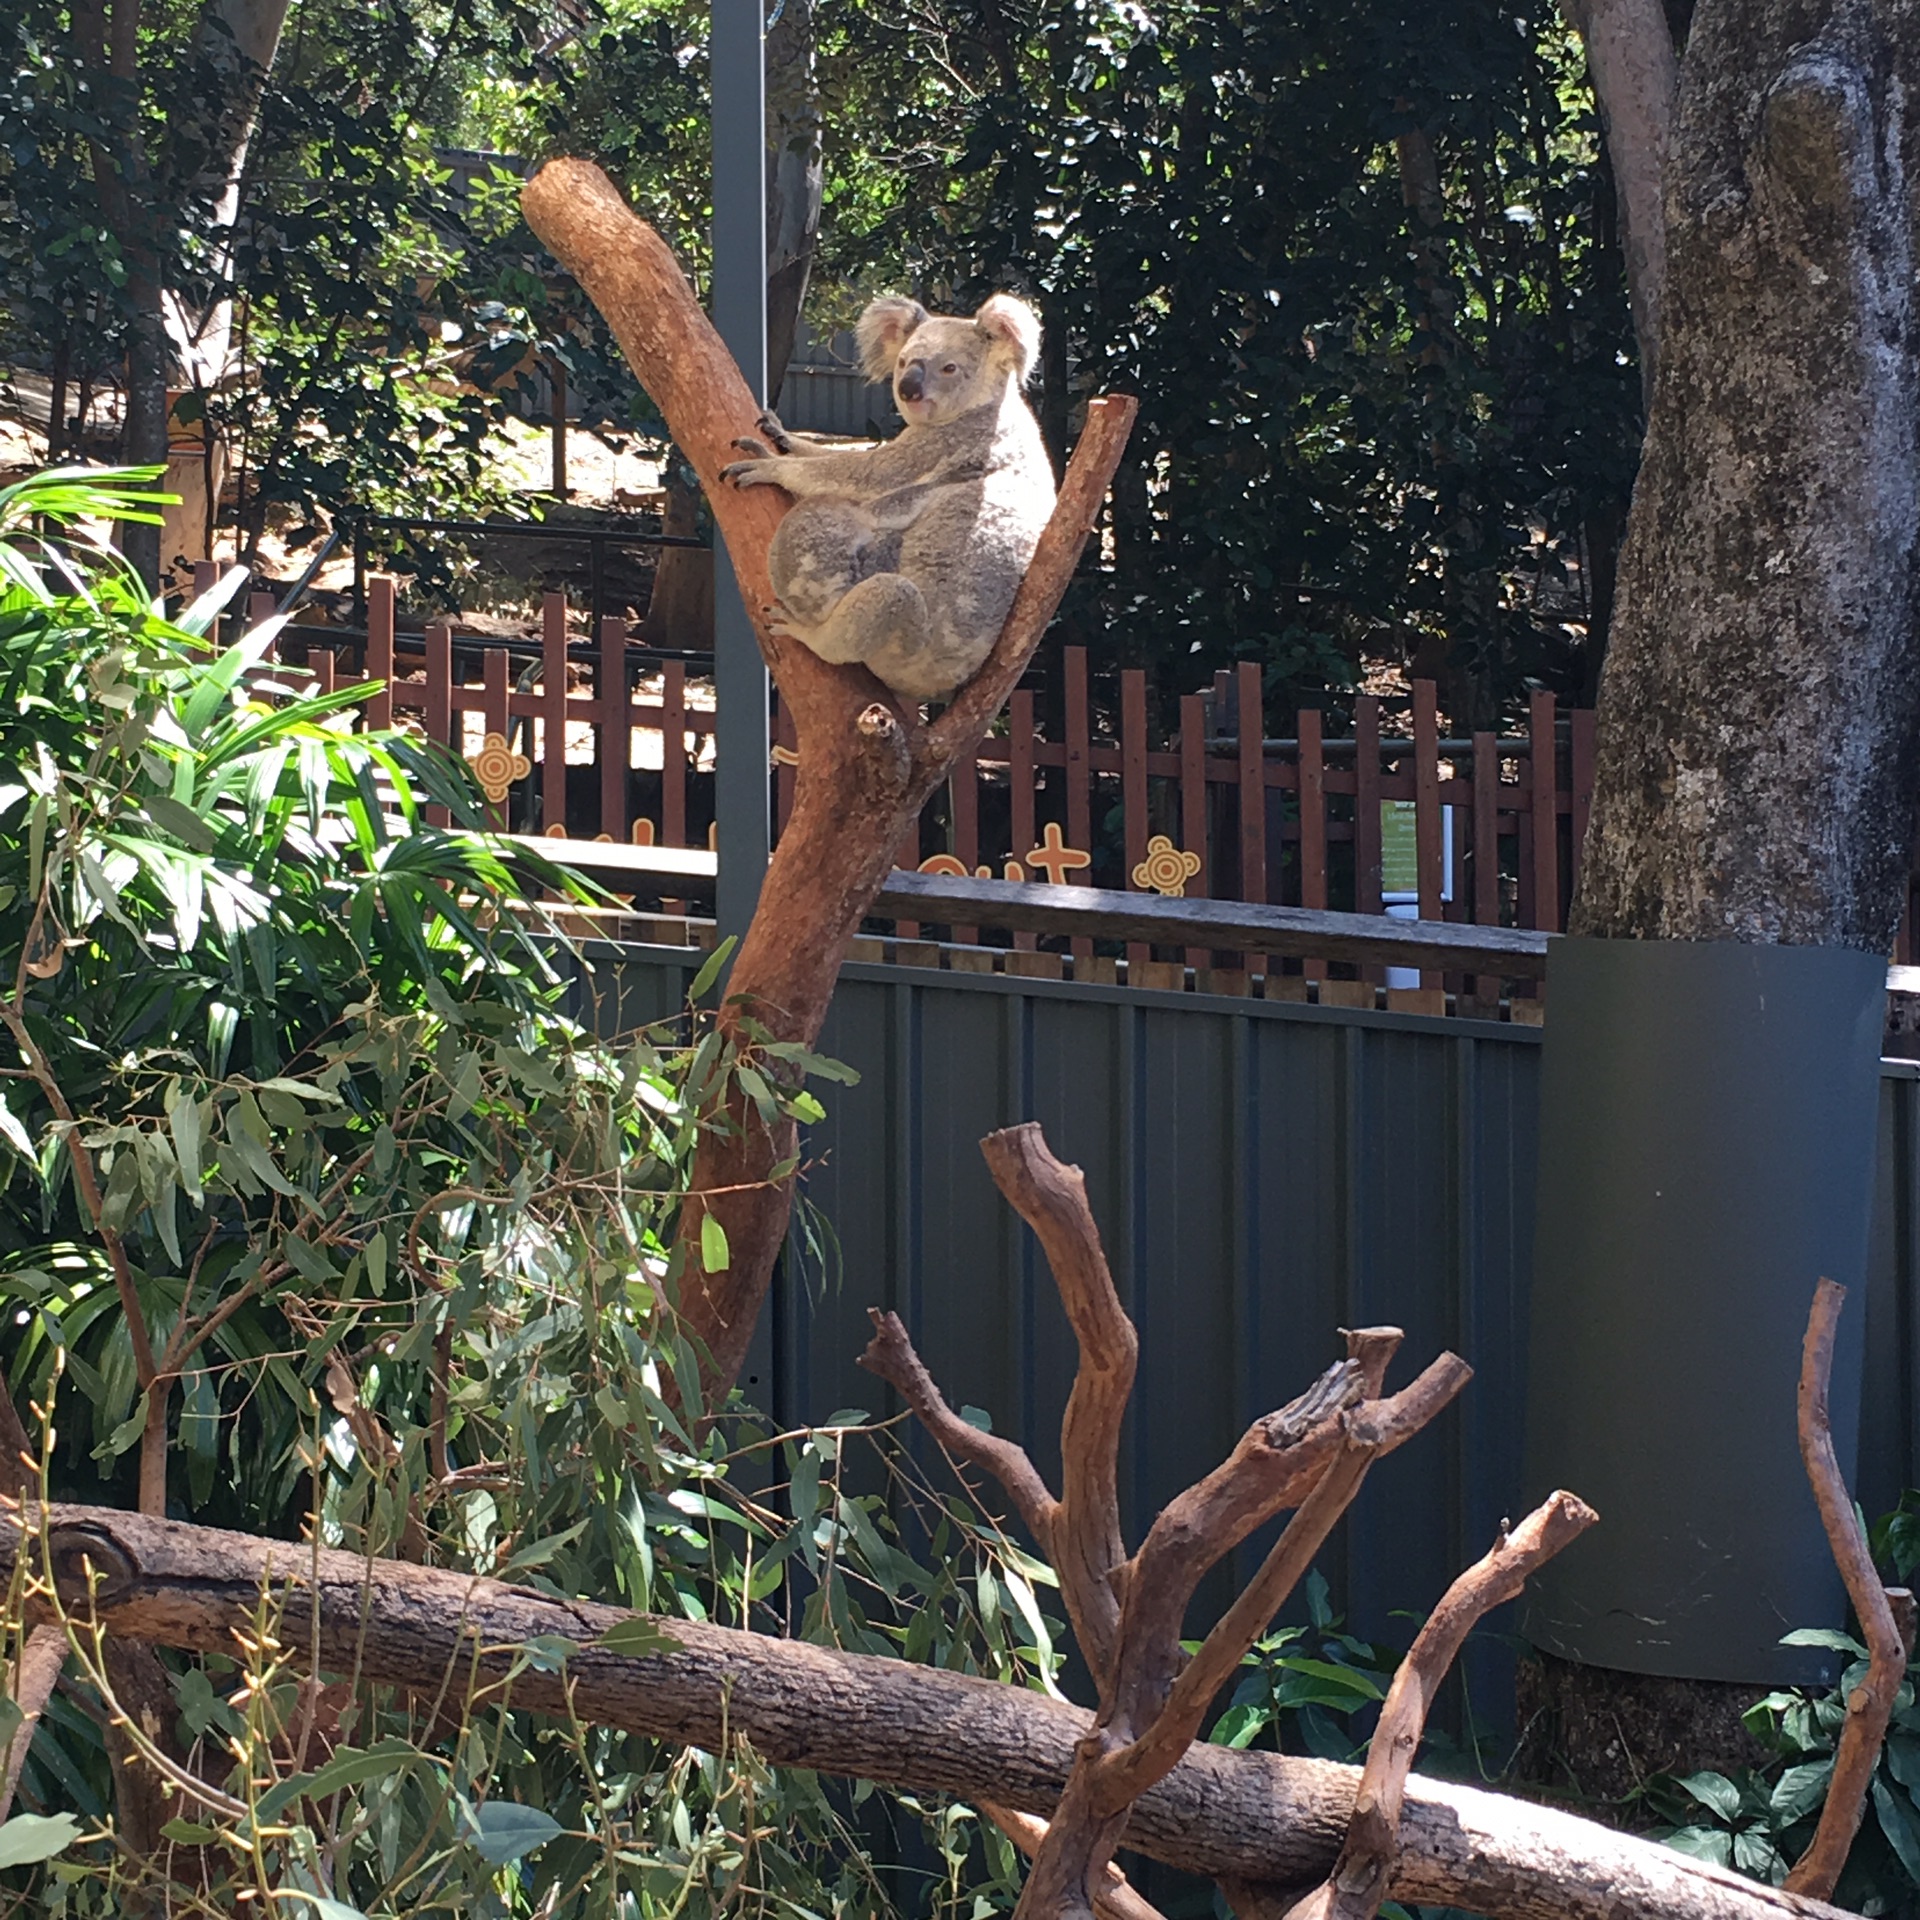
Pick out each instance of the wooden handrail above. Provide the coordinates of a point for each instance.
(1291, 932)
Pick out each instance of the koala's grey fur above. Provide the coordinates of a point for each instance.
(907, 555)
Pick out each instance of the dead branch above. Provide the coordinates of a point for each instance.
(1257, 1818)
(1115, 1899)
(1360, 1877)
(1870, 1705)
(890, 1355)
(866, 763)
(1089, 1550)
(1128, 1613)
(42, 1654)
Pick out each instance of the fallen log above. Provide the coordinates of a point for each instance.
(1251, 1818)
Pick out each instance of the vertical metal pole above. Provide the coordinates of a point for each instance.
(743, 744)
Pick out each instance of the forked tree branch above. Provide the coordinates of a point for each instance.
(1363, 1873)
(1870, 1705)
(1115, 1899)
(867, 761)
(1374, 1428)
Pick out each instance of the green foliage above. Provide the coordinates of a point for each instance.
(1760, 1821)
(1365, 423)
(1309, 1688)
(317, 1200)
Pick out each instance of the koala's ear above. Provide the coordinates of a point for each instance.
(1013, 328)
(883, 331)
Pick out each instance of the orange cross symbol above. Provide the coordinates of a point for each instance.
(1055, 858)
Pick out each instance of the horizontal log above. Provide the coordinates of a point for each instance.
(1250, 1817)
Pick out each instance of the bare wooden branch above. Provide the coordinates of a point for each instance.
(1360, 1877)
(1090, 1552)
(1276, 1465)
(1114, 1900)
(1870, 1705)
(1257, 1818)
(42, 1655)
(890, 1354)
(1371, 1431)
(867, 761)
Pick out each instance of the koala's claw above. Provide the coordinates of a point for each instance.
(749, 473)
(757, 448)
(769, 424)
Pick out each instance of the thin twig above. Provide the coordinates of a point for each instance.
(1870, 1705)
(891, 1356)
(1360, 1877)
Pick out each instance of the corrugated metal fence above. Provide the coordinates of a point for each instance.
(1264, 1174)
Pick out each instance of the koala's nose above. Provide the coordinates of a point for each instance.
(913, 383)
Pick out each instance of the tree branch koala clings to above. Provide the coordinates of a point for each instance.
(906, 556)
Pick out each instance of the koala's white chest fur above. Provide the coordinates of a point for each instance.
(907, 556)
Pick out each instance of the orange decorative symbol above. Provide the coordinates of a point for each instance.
(954, 866)
(785, 757)
(1166, 869)
(1055, 858)
(496, 766)
(642, 833)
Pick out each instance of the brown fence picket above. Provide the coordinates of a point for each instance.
(1079, 771)
(439, 698)
(1020, 785)
(1313, 821)
(616, 729)
(1133, 784)
(552, 749)
(1194, 810)
(1543, 781)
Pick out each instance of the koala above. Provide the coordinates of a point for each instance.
(906, 556)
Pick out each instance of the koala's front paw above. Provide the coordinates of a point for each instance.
(758, 448)
(780, 623)
(769, 424)
(752, 473)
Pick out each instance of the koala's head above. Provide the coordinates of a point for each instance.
(940, 367)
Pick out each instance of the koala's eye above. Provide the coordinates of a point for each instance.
(952, 366)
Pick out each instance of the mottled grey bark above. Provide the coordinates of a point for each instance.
(1757, 771)
(795, 181)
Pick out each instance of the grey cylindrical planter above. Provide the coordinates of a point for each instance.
(1706, 1154)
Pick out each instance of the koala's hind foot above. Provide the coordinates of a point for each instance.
(883, 617)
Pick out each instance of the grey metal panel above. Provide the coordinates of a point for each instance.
(1263, 1174)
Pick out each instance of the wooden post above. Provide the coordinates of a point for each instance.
(1020, 779)
(553, 712)
(616, 740)
(1427, 836)
(1133, 785)
(439, 701)
(379, 663)
(497, 717)
(1253, 792)
(1079, 772)
(964, 786)
(1486, 849)
(1193, 804)
(1313, 822)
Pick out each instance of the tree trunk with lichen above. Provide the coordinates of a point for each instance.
(1757, 775)
(1756, 772)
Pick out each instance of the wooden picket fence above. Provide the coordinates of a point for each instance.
(1484, 830)
(1449, 828)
